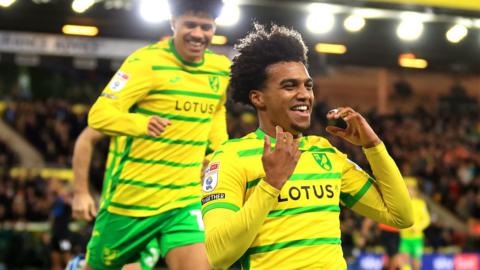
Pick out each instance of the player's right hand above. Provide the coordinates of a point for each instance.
(157, 125)
(280, 163)
(83, 207)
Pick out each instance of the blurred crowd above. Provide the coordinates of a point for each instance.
(440, 148)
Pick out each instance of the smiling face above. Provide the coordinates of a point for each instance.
(286, 98)
(192, 33)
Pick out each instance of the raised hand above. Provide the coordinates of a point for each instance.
(280, 163)
(358, 131)
(157, 125)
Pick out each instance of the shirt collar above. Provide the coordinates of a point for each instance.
(261, 135)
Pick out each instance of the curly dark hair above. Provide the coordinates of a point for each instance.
(259, 49)
(210, 7)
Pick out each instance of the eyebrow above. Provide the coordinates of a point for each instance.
(295, 81)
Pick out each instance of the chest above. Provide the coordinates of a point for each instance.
(315, 181)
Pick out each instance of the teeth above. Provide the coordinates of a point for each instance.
(195, 43)
(300, 108)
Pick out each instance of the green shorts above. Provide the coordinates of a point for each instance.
(150, 255)
(118, 240)
(412, 247)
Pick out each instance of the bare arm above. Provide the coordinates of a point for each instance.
(83, 204)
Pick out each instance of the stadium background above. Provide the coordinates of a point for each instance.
(421, 95)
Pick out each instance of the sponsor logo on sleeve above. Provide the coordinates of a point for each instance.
(213, 197)
(119, 81)
(210, 179)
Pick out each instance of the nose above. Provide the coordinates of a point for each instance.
(303, 93)
(197, 32)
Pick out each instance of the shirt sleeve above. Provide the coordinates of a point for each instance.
(218, 133)
(422, 218)
(230, 224)
(110, 113)
(385, 199)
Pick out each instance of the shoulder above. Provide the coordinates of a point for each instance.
(240, 146)
(149, 51)
(318, 143)
(217, 62)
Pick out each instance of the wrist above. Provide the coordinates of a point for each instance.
(372, 144)
(275, 184)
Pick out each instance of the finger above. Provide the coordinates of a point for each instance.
(165, 122)
(266, 145)
(340, 132)
(79, 214)
(344, 112)
(289, 142)
(160, 123)
(296, 149)
(93, 212)
(334, 113)
(155, 129)
(297, 155)
(279, 136)
(153, 132)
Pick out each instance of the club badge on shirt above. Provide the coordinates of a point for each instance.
(119, 81)
(210, 179)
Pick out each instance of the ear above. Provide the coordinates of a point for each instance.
(257, 99)
(172, 23)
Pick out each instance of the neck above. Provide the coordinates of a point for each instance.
(268, 127)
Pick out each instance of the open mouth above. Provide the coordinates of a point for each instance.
(195, 44)
(303, 110)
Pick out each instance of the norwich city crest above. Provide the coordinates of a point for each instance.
(323, 160)
(214, 82)
(109, 255)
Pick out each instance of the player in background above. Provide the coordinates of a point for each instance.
(389, 240)
(83, 203)
(165, 109)
(272, 198)
(412, 238)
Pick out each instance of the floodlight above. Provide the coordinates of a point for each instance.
(81, 6)
(354, 23)
(456, 33)
(321, 18)
(229, 15)
(410, 29)
(320, 23)
(155, 11)
(6, 3)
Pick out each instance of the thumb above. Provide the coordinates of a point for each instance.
(340, 132)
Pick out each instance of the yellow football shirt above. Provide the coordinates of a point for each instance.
(155, 174)
(301, 226)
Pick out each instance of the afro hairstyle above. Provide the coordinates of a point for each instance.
(259, 49)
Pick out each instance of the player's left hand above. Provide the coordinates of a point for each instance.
(357, 132)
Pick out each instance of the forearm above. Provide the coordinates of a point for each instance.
(229, 234)
(82, 155)
(108, 119)
(392, 187)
